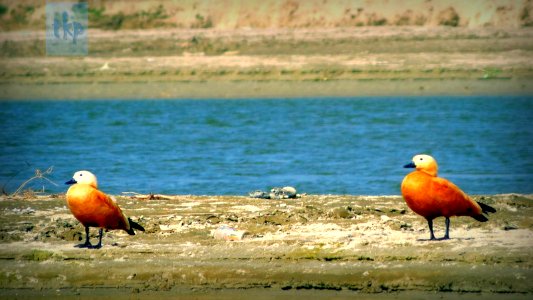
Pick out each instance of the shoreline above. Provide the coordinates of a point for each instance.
(264, 89)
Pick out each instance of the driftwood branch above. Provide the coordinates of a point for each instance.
(134, 195)
(38, 175)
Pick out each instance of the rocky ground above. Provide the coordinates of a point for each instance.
(319, 245)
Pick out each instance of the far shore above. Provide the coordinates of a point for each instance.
(264, 89)
(208, 63)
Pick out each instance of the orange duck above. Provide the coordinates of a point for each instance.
(93, 208)
(431, 196)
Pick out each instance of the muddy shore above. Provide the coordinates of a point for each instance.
(322, 245)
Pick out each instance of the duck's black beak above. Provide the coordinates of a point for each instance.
(410, 165)
(72, 181)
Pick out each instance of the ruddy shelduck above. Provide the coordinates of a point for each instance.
(431, 196)
(93, 208)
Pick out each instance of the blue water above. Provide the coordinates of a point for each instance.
(219, 147)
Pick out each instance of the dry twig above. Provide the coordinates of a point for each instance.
(150, 196)
(38, 175)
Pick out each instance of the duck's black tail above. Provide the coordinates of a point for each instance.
(485, 209)
(134, 225)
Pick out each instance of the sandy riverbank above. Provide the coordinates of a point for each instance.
(338, 245)
(208, 63)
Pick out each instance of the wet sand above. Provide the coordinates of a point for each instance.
(323, 246)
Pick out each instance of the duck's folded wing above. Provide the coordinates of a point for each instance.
(453, 201)
(111, 214)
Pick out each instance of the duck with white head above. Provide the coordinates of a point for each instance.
(94, 208)
(431, 196)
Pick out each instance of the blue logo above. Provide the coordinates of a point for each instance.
(66, 29)
(77, 28)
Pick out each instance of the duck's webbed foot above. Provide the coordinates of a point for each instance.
(84, 245)
(99, 245)
(87, 244)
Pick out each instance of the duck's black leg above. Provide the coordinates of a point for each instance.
(99, 245)
(432, 235)
(447, 234)
(87, 243)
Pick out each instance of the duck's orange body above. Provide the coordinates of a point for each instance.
(95, 209)
(432, 197)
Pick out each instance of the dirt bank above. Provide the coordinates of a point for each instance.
(206, 63)
(232, 14)
(340, 245)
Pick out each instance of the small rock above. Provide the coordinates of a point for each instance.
(287, 192)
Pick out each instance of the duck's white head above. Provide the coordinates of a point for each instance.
(424, 163)
(84, 177)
